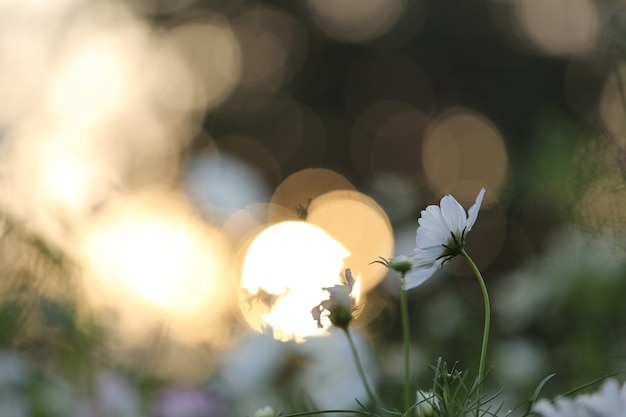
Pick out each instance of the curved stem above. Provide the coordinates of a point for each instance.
(483, 352)
(406, 340)
(372, 394)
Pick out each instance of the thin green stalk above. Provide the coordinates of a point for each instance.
(407, 342)
(314, 413)
(372, 394)
(483, 352)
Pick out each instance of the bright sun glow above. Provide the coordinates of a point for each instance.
(154, 262)
(284, 271)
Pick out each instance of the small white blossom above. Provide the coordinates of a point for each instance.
(609, 401)
(425, 404)
(440, 236)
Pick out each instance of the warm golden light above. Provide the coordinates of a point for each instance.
(462, 151)
(284, 271)
(153, 262)
(97, 100)
(361, 226)
(297, 191)
(97, 64)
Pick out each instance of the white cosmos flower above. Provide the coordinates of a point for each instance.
(440, 236)
(609, 401)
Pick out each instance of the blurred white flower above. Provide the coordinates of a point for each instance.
(425, 403)
(573, 258)
(320, 366)
(330, 377)
(250, 364)
(440, 236)
(265, 412)
(609, 401)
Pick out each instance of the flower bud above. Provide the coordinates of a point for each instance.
(401, 264)
(339, 305)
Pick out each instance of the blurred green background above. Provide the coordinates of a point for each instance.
(152, 141)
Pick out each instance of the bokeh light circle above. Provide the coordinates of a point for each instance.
(153, 262)
(298, 190)
(285, 268)
(273, 46)
(559, 27)
(611, 105)
(361, 226)
(355, 20)
(463, 151)
(212, 55)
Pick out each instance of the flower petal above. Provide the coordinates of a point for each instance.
(418, 276)
(431, 215)
(426, 237)
(473, 211)
(425, 257)
(349, 278)
(433, 220)
(453, 213)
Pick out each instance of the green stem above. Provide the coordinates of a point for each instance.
(483, 352)
(314, 413)
(407, 341)
(372, 394)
